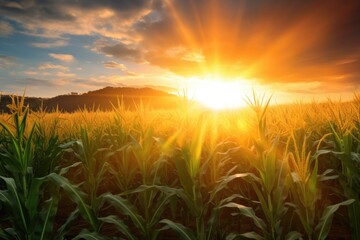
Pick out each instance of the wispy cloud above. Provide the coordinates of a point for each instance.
(30, 73)
(122, 67)
(62, 57)
(7, 62)
(64, 74)
(50, 44)
(34, 82)
(112, 65)
(50, 66)
(5, 28)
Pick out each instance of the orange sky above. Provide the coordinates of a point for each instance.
(296, 49)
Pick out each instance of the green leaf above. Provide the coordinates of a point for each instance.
(44, 229)
(224, 181)
(14, 201)
(182, 231)
(127, 209)
(120, 225)
(232, 236)
(294, 235)
(85, 234)
(63, 230)
(252, 235)
(8, 234)
(33, 197)
(324, 224)
(77, 196)
(248, 212)
(184, 175)
(159, 209)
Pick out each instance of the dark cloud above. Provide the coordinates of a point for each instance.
(56, 10)
(53, 18)
(35, 10)
(122, 51)
(121, 6)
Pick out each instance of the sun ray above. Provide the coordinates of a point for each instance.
(217, 94)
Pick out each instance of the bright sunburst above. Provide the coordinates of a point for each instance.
(218, 94)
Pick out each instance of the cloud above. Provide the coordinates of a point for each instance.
(50, 44)
(55, 18)
(5, 28)
(12, 5)
(271, 41)
(35, 82)
(7, 62)
(121, 51)
(31, 73)
(122, 67)
(112, 65)
(252, 39)
(247, 39)
(50, 66)
(64, 74)
(62, 57)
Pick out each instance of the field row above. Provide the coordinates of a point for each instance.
(266, 172)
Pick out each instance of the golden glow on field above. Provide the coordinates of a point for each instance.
(218, 94)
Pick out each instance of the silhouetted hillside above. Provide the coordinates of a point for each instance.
(103, 98)
(100, 99)
(33, 102)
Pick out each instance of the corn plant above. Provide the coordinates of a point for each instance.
(269, 183)
(306, 191)
(23, 190)
(188, 166)
(199, 196)
(145, 225)
(80, 198)
(93, 158)
(145, 153)
(122, 165)
(347, 150)
(151, 174)
(151, 199)
(271, 190)
(48, 151)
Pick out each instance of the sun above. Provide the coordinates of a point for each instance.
(218, 94)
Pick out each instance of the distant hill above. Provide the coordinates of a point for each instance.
(33, 102)
(100, 99)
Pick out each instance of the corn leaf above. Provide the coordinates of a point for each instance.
(182, 231)
(323, 227)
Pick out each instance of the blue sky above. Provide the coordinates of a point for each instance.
(302, 48)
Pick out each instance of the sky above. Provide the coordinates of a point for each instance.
(299, 49)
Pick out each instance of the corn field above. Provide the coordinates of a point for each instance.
(264, 172)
